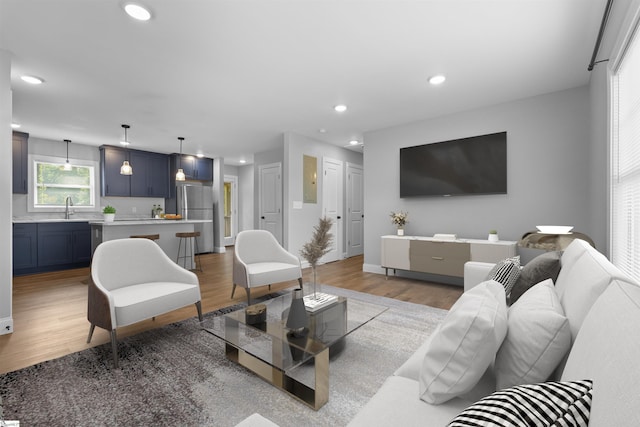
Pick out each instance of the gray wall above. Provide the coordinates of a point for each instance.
(245, 197)
(300, 222)
(550, 173)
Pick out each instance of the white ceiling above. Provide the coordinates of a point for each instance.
(231, 76)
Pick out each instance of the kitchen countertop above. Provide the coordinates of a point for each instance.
(149, 221)
(95, 221)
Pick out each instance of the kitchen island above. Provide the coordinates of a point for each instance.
(102, 231)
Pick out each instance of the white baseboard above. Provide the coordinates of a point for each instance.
(6, 325)
(219, 249)
(372, 268)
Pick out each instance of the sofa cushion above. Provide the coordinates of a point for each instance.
(584, 275)
(607, 350)
(465, 344)
(545, 266)
(506, 272)
(545, 404)
(396, 404)
(538, 337)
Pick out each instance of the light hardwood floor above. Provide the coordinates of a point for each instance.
(50, 309)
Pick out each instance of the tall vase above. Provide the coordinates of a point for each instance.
(298, 318)
(313, 269)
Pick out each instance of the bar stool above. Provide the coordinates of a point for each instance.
(188, 249)
(146, 236)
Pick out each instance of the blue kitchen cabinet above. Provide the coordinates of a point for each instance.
(55, 244)
(195, 168)
(25, 247)
(20, 162)
(204, 169)
(151, 174)
(64, 243)
(81, 241)
(114, 184)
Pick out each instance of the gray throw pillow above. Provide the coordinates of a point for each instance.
(542, 267)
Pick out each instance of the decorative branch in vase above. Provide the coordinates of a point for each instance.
(315, 249)
(400, 219)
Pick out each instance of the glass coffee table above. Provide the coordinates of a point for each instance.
(295, 363)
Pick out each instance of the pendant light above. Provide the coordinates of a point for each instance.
(126, 168)
(180, 174)
(67, 165)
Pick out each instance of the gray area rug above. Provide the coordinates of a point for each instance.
(178, 375)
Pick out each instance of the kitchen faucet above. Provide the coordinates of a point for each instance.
(67, 202)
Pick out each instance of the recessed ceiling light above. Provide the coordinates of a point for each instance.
(243, 161)
(32, 80)
(354, 142)
(15, 125)
(199, 155)
(137, 12)
(436, 80)
(340, 108)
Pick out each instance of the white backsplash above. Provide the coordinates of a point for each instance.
(126, 208)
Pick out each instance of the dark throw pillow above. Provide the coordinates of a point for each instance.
(542, 267)
(557, 403)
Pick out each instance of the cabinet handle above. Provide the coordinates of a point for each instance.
(437, 258)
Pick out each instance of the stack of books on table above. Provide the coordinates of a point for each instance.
(316, 301)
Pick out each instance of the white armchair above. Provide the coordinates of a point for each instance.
(259, 260)
(133, 280)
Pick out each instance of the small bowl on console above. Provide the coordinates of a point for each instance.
(554, 229)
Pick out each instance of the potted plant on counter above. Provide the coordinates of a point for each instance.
(493, 236)
(109, 213)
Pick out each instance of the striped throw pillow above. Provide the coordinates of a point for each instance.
(506, 272)
(558, 404)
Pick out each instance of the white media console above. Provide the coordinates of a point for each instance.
(437, 256)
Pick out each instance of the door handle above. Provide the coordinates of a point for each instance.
(437, 258)
(339, 217)
(261, 217)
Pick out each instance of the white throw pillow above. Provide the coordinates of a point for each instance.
(465, 344)
(538, 337)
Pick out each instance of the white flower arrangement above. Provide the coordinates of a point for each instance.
(399, 218)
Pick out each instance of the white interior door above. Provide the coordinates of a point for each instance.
(270, 195)
(332, 204)
(355, 210)
(230, 209)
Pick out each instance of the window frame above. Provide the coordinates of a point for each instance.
(630, 29)
(32, 182)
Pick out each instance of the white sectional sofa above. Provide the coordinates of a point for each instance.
(602, 306)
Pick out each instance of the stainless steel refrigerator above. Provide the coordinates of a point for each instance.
(195, 201)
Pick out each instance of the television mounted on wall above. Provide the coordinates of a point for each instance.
(466, 166)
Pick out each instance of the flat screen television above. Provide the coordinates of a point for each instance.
(475, 165)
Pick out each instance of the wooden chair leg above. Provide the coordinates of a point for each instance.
(91, 328)
(114, 348)
(233, 290)
(199, 308)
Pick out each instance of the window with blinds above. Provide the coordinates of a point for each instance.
(625, 160)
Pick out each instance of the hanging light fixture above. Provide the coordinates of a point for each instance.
(67, 165)
(180, 174)
(126, 168)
